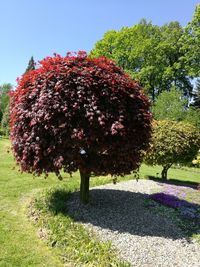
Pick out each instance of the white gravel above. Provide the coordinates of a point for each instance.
(145, 239)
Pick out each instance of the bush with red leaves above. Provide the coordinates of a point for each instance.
(76, 112)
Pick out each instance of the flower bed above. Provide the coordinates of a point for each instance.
(185, 200)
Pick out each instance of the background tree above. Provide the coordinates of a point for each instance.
(170, 105)
(172, 142)
(193, 113)
(77, 113)
(191, 43)
(192, 116)
(173, 105)
(175, 72)
(4, 98)
(31, 65)
(196, 95)
(151, 54)
(5, 120)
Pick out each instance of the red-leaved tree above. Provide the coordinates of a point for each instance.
(78, 113)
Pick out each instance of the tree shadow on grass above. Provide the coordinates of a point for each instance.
(119, 211)
(174, 182)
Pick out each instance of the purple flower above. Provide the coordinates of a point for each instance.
(186, 209)
(168, 200)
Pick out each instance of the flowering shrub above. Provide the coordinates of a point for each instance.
(196, 161)
(165, 199)
(172, 143)
(76, 112)
(183, 199)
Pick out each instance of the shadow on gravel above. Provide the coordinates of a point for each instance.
(116, 210)
(174, 182)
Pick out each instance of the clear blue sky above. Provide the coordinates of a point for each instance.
(42, 27)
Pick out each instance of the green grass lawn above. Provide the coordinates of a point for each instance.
(19, 243)
(182, 175)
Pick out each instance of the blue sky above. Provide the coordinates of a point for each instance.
(42, 27)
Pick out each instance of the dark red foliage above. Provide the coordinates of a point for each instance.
(76, 112)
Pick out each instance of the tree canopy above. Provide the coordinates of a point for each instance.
(152, 55)
(192, 115)
(83, 113)
(170, 105)
(191, 44)
(5, 120)
(172, 142)
(4, 98)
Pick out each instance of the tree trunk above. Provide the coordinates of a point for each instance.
(153, 94)
(84, 187)
(164, 171)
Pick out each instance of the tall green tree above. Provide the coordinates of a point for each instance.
(191, 44)
(151, 54)
(4, 97)
(31, 64)
(5, 120)
(170, 105)
(174, 70)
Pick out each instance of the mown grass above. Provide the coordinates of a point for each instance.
(190, 175)
(76, 246)
(67, 241)
(19, 242)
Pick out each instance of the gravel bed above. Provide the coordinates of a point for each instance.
(118, 213)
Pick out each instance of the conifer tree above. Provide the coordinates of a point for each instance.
(31, 65)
